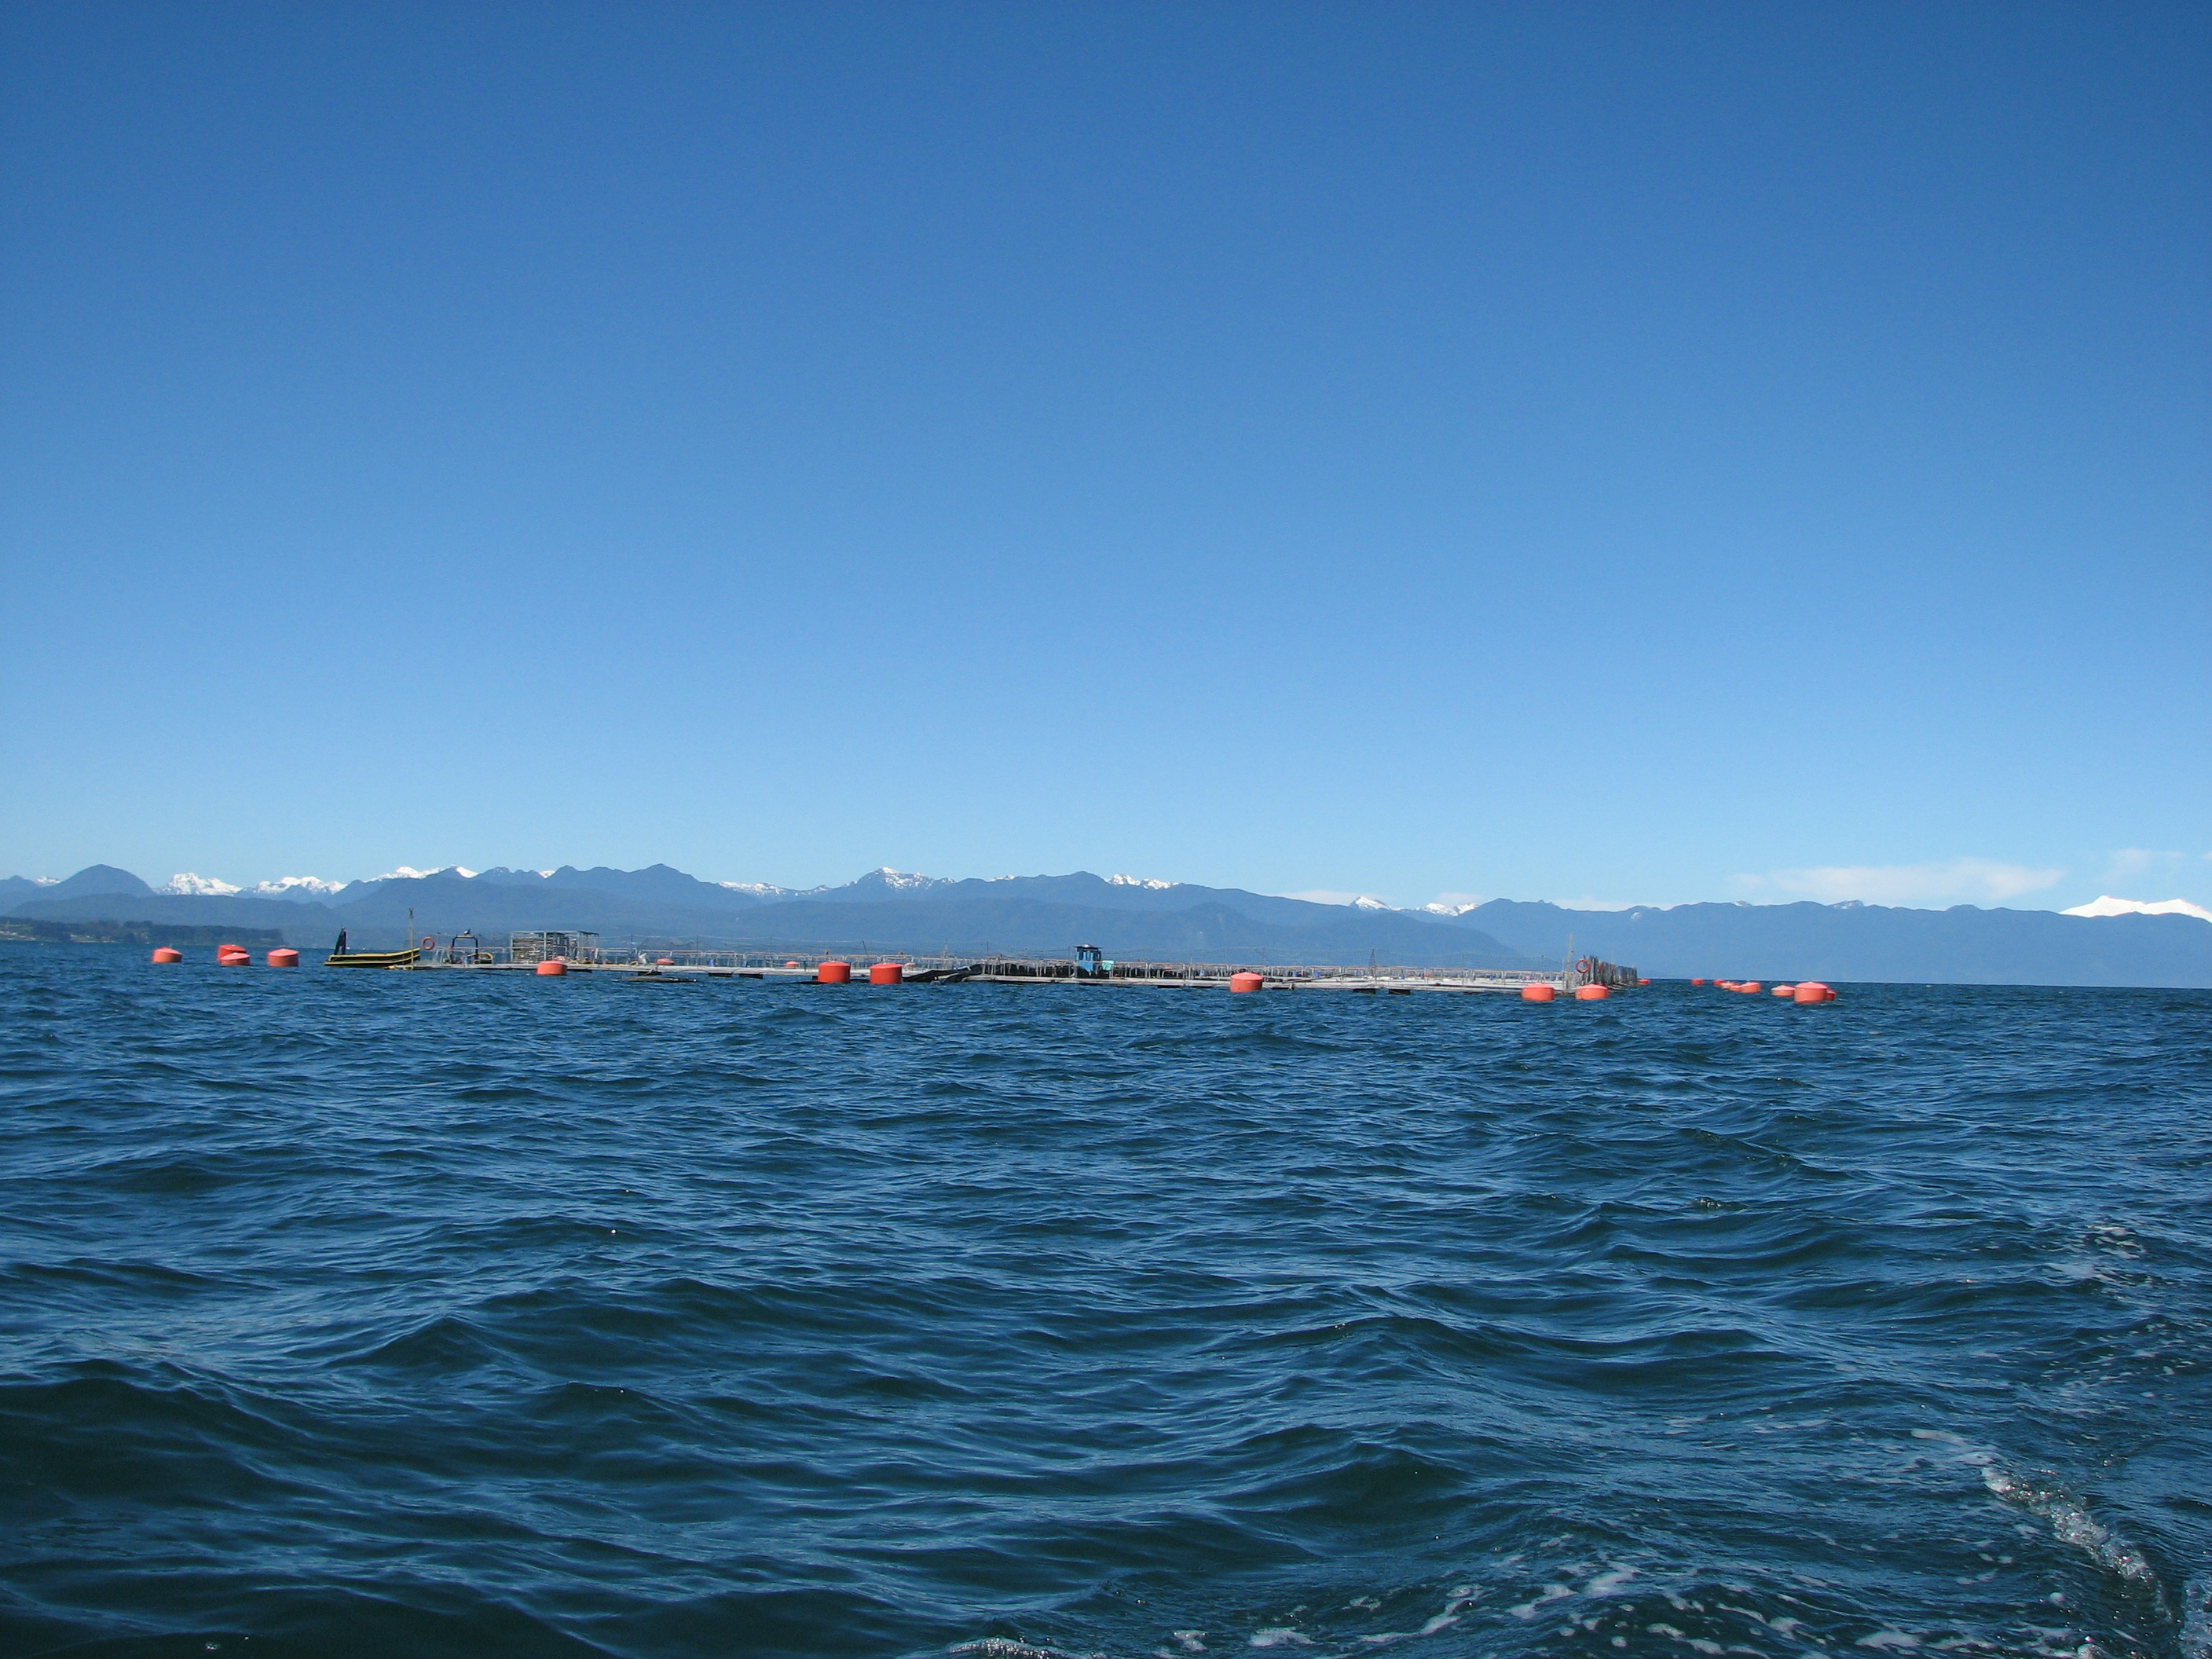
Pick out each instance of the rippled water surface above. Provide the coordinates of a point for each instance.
(361, 1313)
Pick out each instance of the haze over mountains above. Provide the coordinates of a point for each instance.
(2125, 942)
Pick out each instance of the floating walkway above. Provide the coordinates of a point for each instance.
(559, 954)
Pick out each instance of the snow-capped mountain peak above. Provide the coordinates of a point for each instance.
(187, 884)
(2107, 905)
(1138, 881)
(899, 881)
(199, 886)
(1369, 901)
(408, 872)
(296, 887)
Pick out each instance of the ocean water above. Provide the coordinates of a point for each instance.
(376, 1313)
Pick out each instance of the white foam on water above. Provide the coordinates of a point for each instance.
(2196, 1618)
(1609, 1581)
(2072, 1523)
(1278, 1636)
(1457, 1601)
(1552, 1593)
(1890, 1638)
(1000, 1647)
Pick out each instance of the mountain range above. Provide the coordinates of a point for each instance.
(1127, 917)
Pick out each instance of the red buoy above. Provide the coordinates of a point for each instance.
(886, 973)
(1247, 981)
(834, 973)
(168, 953)
(232, 955)
(1537, 993)
(1785, 990)
(286, 957)
(664, 961)
(1644, 981)
(1696, 982)
(1811, 990)
(1592, 993)
(553, 968)
(793, 963)
(1750, 988)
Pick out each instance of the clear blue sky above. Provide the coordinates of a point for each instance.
(1637, 451)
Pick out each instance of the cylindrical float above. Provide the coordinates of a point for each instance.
(1750, 988)
(793, 963)
(1785, 990)
(168, 953)
(1810, 991)
(232, 955)
(1696, 982)
(1537, 993)
(886, 973)
(1644, 981)
(286, 957)
(553, 968)
(664, 961)
(1247, 981)
(1592, 993)
(834, 973)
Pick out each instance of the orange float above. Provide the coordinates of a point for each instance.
(168, 953)
(886, 973)
(834, 973)
(286, 957)
(1537, 994)
(1243, 982)
(553, 968)
(1592, 993)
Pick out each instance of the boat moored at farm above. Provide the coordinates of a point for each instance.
(342, 958)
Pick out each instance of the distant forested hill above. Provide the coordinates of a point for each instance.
(885, 910)
(1963, 945)
(23, 930)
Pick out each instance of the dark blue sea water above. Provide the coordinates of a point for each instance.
(355, 1313)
